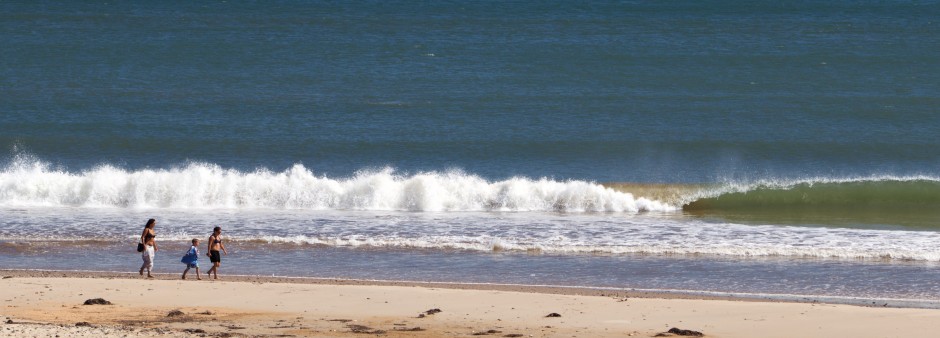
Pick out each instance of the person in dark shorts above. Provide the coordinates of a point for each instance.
(216, 249)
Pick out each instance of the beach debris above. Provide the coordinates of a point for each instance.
(207, 313)
(680, 332)
(97, 301)
(175, 313)
(412, 329)
(9, 321)
(514, 335)
(233, 327)
(552, 315)
(83, 324)
(194, 331)
(487, 332)
(7, 277)
(340, 320)
(356, 328)
(429, 312)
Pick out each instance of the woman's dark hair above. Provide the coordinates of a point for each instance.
(217, 229)
(150, 223)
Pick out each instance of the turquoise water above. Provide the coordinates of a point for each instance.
(765, 134)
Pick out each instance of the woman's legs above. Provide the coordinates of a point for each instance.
(216, 258)
(147, 256)
(215, 269)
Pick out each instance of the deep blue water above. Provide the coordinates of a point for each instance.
(608, 91)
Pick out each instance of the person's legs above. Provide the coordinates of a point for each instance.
(216, 258)
(147, 257)
(185, 271)
(148, 260)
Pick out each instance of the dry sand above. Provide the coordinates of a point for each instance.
(46, 304)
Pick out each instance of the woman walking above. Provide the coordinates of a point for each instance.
(215, 246)
(148, 238)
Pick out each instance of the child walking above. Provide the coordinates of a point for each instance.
(191, 259)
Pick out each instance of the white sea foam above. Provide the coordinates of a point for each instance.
(716, 240)
(29, 182)
(376, 209)
(545, 233)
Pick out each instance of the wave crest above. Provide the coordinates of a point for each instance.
(30, 182)
(887, 193)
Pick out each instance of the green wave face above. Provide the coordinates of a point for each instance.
(908, 203)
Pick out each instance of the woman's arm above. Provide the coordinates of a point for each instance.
(222, 246)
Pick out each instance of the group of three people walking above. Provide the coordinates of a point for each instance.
(148, 245)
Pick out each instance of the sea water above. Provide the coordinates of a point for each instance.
(776, 149)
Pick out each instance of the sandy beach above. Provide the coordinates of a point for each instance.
(50, 303)
(470, 168)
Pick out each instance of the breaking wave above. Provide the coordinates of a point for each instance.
(30, 182)
(872, 193)
(891, 200)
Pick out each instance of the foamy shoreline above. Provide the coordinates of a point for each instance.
(41, 303)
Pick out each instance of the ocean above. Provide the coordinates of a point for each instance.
(763, 149)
